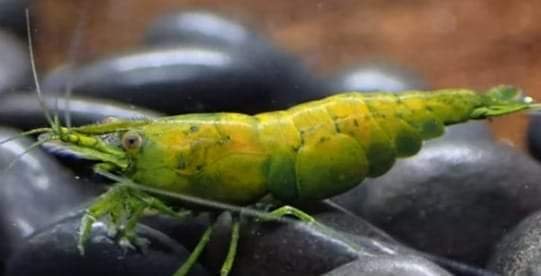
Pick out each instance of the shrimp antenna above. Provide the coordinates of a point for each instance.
(24, 134)
(38, 89)
(20, 155)
(41, 102)
(34, 71)
(72, 56)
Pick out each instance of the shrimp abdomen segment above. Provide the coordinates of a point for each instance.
(328, 162)
(311, 159)
(329, 167)
(322, 148)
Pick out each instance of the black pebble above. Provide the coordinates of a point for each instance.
(389, 265)
(268, 248)
(53, 251)
(534, 136)
(184, 79)
(34, 192)
(453, 199)
(519, 252)
(202, 28)
(469, 131)
(376, 76)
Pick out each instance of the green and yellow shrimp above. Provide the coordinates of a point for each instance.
(311, 151)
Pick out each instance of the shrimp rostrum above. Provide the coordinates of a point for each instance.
(311, 151)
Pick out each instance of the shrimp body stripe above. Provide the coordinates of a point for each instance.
(311, 151)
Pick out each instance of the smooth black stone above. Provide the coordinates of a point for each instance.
(519, 252)
(346, 222)
(12, 15)
(200, 27)
(53, 251)
(34, 192)
(534, 136)
(376, 76)
(270, 248)
(389, 265)
(453, 199)
(14, 62)
(186, 79)
(186, 231)
(212, 30)
(468, 131)
(24, 111)
(291, 249)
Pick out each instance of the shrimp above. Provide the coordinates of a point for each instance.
(308, 152)
(292, 154)
(311, 151)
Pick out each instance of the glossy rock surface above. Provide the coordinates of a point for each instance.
(53, 251)
(284, 75)
(519, 252)
(534, 135)
(376, 76)
(478, 190)
(200, 27)
(469, 131)
(298, 249)
(269, 248)
(185, 79)
(389, 265)
(33, 192)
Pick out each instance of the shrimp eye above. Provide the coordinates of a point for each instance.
(131, 140)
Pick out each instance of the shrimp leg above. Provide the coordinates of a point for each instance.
(288, 210)
(232, 251)
(203, 241)
(123, 206)
(185, 268)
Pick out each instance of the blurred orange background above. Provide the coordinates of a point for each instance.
(463, 43)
